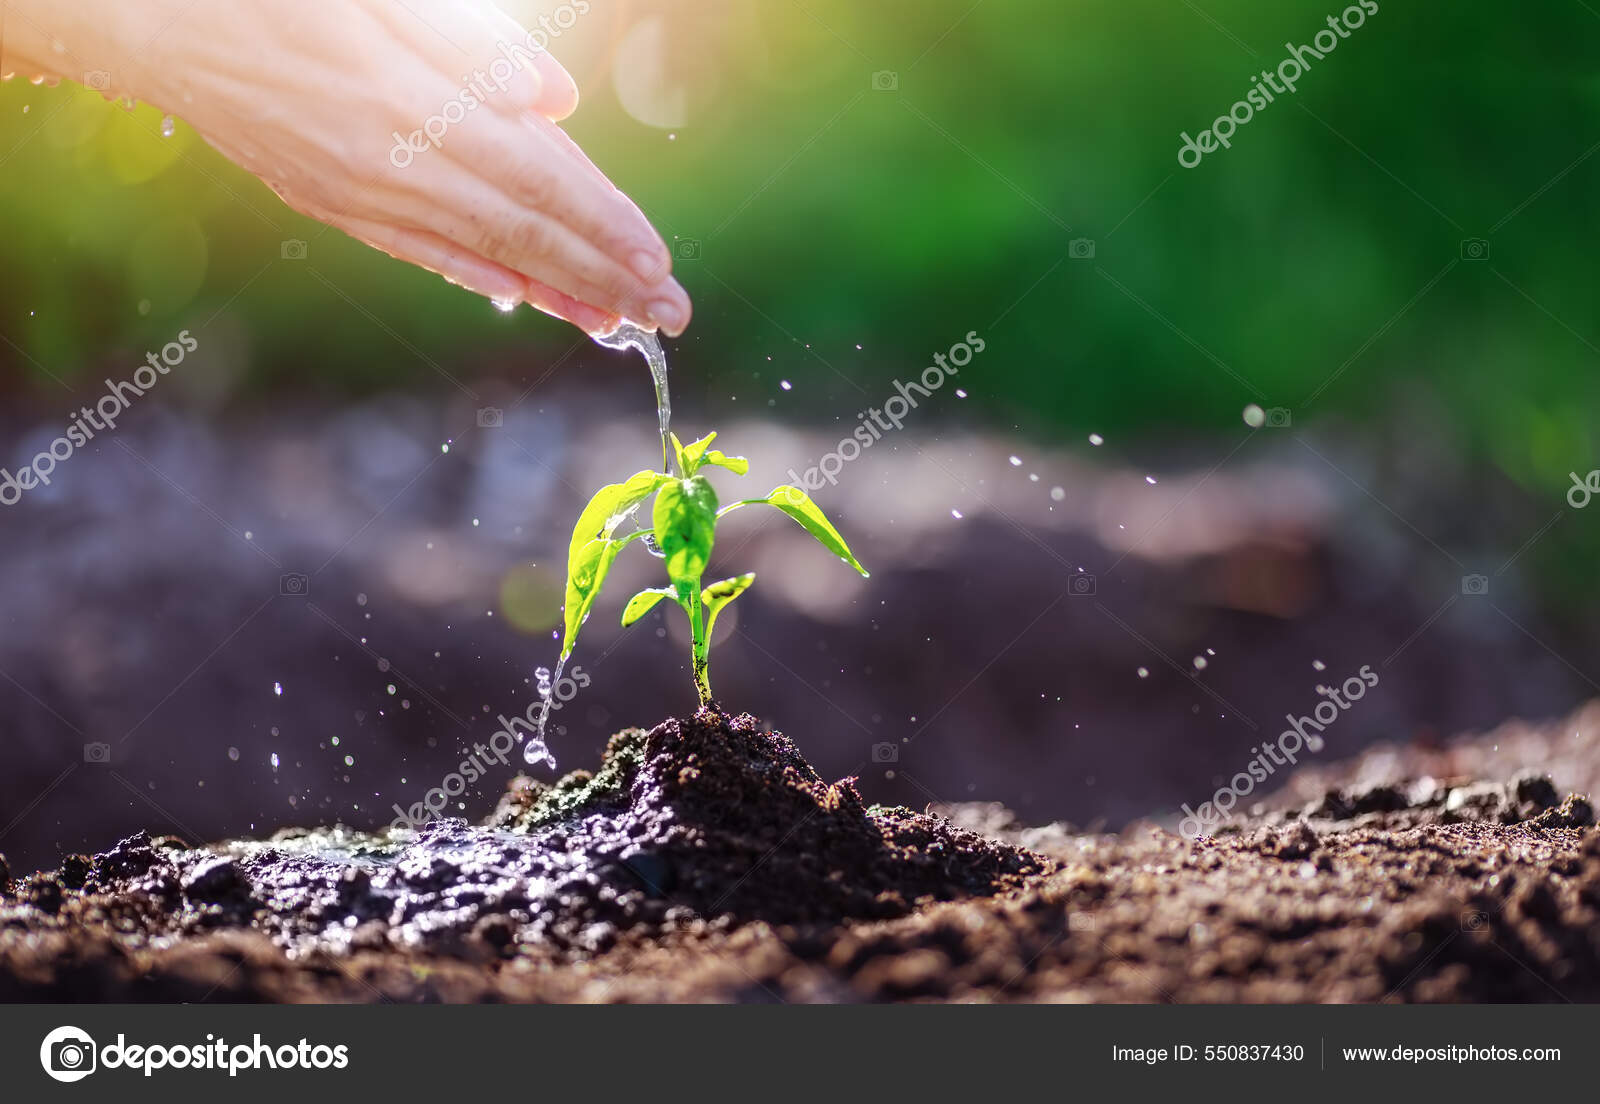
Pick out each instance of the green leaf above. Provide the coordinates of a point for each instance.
(798, 505)
(718, 595)
(689, 455)
(738, 465)
(593, 548)
(685, 526)
(643, 602)
(609, 506)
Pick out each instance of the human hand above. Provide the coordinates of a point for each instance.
(422, 128)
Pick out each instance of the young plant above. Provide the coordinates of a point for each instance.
(683, 527)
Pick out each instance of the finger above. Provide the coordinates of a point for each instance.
(447, 199)
(537, 174)
(544, 249)
(564, 142)
(562, 139)
(560, 94)
(464, 43)
(467, 269)
(588, 319)
(455, 263)
(559, 97)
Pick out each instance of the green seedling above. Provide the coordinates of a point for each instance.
(683, 528)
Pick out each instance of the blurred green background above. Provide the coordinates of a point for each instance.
(834, 213)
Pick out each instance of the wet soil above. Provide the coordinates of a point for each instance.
(706, 861)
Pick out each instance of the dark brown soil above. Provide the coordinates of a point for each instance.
(706, 860)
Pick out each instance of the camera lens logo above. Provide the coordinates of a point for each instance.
(67, 1054)
(885, 753)
(1083, 586)
(1081, 249)
(1474, 249)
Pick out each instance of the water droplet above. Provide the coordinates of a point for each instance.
(274, 760)
(1150, 479)
(168, 127)
(277, 689)
(1199, 663)
(505, 306)
(786, 385)
(961, 393)
(349, 760)
(1016, 461)
(1144, 672)
(1096, 440)
(233, 753)
(1318, 665)
(1057, 494)
(1254, 416)
(956, 514)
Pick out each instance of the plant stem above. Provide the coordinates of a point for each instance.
(701, 646)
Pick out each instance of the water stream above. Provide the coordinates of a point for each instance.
(625, 336)
(629, 336)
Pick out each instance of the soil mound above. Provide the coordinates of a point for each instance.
(706, 861)
(698, 824)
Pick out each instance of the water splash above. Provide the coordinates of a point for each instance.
(629, 336)
(534, 750)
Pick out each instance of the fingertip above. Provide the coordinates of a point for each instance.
(671, 315)
(558, 95)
